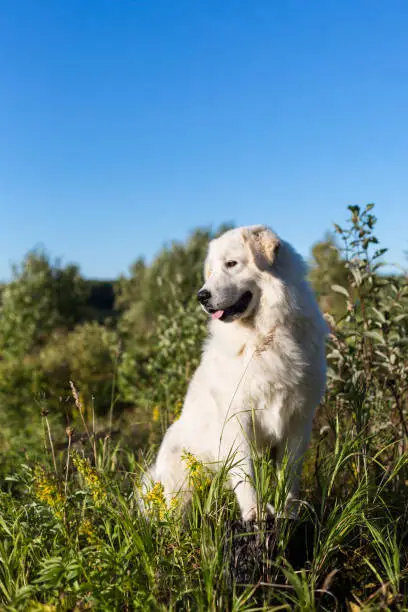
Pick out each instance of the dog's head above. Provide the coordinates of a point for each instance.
(235, 264)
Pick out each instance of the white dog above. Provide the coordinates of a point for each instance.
(263, 368)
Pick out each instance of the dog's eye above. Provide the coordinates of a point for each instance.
(231, 263)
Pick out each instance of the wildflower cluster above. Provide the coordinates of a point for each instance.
(91, 478)
(156, 501)
(198, 474)
(86, 529)
(46, 490)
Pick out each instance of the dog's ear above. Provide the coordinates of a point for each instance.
(263, 244)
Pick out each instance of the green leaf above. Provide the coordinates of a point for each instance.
(379, 253)
(375, 336)
(340, 289)
(379, 314)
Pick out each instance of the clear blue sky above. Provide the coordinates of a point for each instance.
(126, 123)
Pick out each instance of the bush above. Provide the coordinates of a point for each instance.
(41, 297)
(368, 348)
(20, 392)
(88, 357)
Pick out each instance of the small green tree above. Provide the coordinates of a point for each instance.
(367, 354)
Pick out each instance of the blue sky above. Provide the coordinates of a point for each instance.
(126, 123)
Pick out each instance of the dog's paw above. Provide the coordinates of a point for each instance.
(290, 511)
(250, 515)
(270, 510)
(253, 515)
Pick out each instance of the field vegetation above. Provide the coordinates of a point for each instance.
(91, 375)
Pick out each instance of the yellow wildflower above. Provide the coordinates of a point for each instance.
(86, 529)
(91, 478)
(156, 501)
(46, 490)
(175, 503)
(177, 411)
(198, 474)
(156, 414)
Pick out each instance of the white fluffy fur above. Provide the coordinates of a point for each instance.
(261, 375)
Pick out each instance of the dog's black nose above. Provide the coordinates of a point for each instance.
(203, 296)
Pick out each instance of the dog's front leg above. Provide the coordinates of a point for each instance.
(241, 479)
(236, 453)
(289, 458)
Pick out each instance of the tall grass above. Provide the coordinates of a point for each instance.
(78, 540)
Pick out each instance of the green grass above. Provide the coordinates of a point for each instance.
(72, 536)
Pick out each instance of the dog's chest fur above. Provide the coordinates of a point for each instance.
(255, 373)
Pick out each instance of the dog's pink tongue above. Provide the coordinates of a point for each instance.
(217, 314)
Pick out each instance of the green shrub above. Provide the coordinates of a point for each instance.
(41, 297)
(368, 348)
(88, 357)
(21, 384)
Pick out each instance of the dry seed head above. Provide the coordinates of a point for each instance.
(75, 396)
